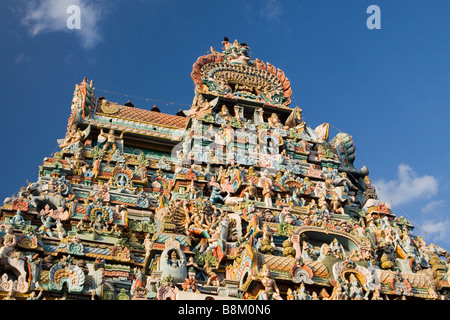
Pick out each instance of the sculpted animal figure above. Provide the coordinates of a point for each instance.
(34, 193)
(232, 201)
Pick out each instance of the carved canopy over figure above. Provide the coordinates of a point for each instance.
(233, 74)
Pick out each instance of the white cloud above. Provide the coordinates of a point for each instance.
(21, 57)
(407, 187)
(271, 9)
(438, 231)
(432, 206)
(51, 16)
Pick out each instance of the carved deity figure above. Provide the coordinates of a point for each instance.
(295, 120)
(323, 205)
(224, 115)
(190, 283)
(337, 249)
(77, 163)
(18, 219)
(196, 225)
(355, 291)
(217, 239)
(274, 122)
(336, 205)
(271, 291)
(200, 106)
(266, 183)
(213, 279)
(46, 227)
(192, 191)
(173, 260)
(309, 252)
(9, 242)
(110, 139)
(98, 224)
(267, 244)
(74, 135)
(301, 293)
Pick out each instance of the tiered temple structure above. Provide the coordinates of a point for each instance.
(236, 198)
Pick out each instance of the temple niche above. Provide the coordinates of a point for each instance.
(237, 197)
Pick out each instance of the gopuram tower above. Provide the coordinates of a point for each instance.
(236, 198)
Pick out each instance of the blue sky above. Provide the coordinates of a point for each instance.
(388, 88)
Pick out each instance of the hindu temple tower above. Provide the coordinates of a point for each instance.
(235, 198)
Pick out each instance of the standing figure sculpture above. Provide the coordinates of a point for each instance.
(111, 140)
(266, 183)
(271, 291)
(355, 291)
(46, 227)
(8, 258)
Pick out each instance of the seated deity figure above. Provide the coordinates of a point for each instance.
(274, 122)
(173, 260)
(98, 224)
(18, 219)
(200, 106)
(337, 249)
(9, 242)
(337, 206)
(287, 217)
(197, 226)
(74, 135)
(224, 115)
(309, 252)
(296, 200)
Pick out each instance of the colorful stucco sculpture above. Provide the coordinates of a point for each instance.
(235, 198)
